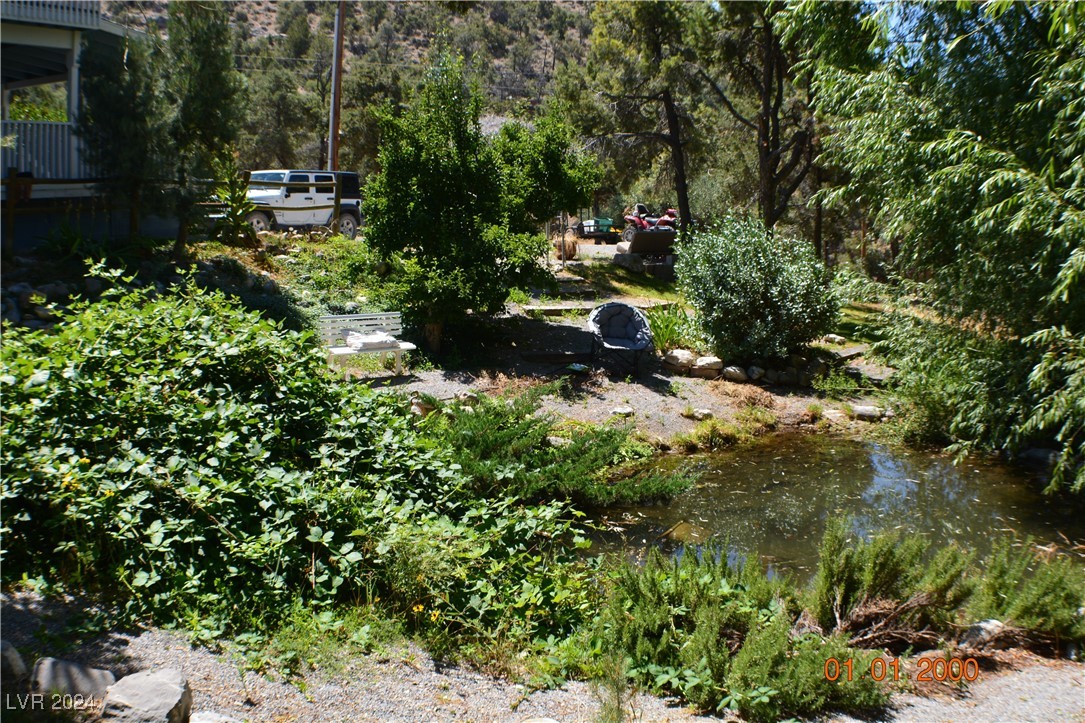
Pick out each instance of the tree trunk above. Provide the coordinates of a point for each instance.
(765, 165)
(134, 215)
(433, 332)
(678, 154)
(819, 246)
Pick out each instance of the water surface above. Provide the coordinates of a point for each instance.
(773, 498)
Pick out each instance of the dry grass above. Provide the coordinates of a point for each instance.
(502, 385)
(745, 395)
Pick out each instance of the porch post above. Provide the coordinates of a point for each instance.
(73, 104)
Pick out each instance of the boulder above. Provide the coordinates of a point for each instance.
(11, 663)
(622, 411)
(704, 373)
(772, 376)
(755, 373)
(868, 413)
(61, 676)
(698, 415)
(834, 339)
(735, 374)
(788, 376)
(708, 362)
(679, 359)
(982, 634)
(150, 696)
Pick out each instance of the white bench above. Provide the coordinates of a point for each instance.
(334, 331)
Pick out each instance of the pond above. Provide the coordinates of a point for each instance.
(772, 499)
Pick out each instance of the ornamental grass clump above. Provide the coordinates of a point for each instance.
(756, 294)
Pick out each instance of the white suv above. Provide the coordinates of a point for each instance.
(295, 198)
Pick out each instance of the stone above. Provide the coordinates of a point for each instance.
(679, 359)
(558, 441)
(772, 376)
(868, 413)
(704, 373)
(55, 291)
(210, 716)
(61, 676)
(796, 360)
(788, 376)
(1039, 456)
(702, 414)
(351, 307)
(735, 374)
(622, 411)
(468, 398)
(982, 634)
(93, 285)
(708, 362)
(834, 339)
(150, 696)
(755, 373)
(11, 663)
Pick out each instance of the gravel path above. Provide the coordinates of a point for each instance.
(407, 685)
(657, 396)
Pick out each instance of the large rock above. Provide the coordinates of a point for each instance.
(735, 374)
(11, 663)
(151, 696)
(61, 676)
(982, 634)
(707, 367)
(708, 362)
(622, 411)
(868, 413)
(755, 373)
(679, 359)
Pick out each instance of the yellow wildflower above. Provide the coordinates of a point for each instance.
(84, 460)
(434, 615)
(419, 608)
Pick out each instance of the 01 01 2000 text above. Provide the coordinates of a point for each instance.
(928, 670)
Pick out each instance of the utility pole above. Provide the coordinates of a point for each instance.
(337, 83)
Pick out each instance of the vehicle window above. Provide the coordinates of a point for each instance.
(300, 178)
(351, 185)
(274, 178)
(327, 179)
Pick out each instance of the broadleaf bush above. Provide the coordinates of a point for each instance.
(756, 294)
(195, 463)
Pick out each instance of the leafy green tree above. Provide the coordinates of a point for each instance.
(987, 208)
(638, 64)
(437, 207)
(203, 89)
(122, 124)
(276, 119)
(542, 171)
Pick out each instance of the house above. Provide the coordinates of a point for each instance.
(46, 181)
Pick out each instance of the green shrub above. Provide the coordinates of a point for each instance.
(505, 446)
(1037, 595)
(755, 294)
(719, 635)
(196, 463)
(888, 568)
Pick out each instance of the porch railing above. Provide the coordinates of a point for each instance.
(43, 149)
(78, 14)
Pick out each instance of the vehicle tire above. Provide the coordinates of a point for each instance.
(259, 221)
(348, 225)
(627, 234)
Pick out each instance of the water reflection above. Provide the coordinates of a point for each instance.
(773, 499)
